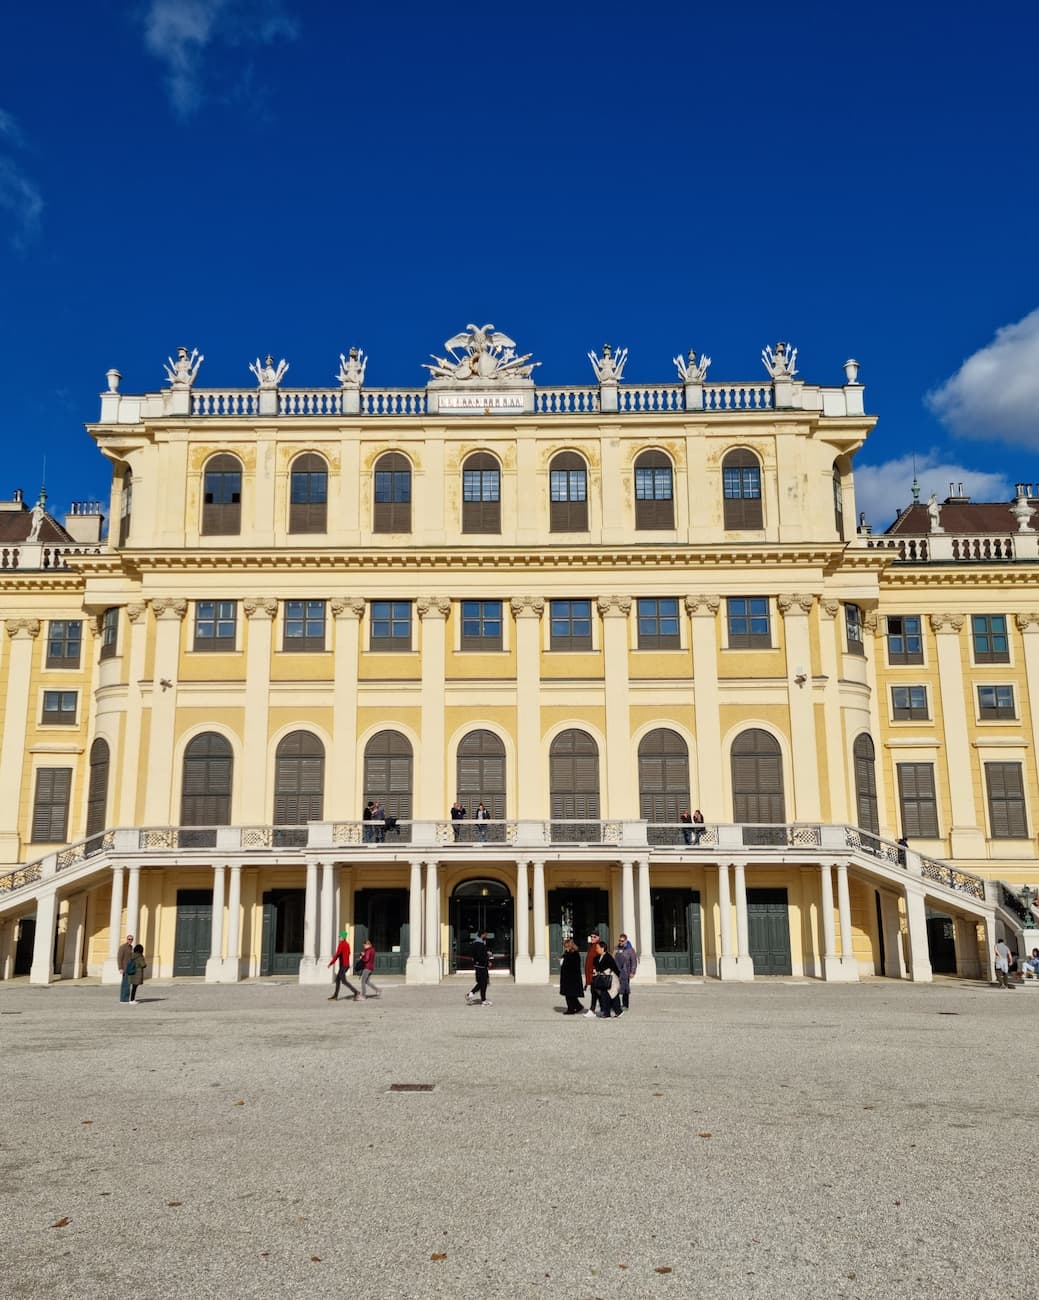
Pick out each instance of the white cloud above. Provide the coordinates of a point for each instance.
(995, 393)
(180, 34)
(20, 198)
(881, 491)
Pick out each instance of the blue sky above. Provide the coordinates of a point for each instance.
(297, 177)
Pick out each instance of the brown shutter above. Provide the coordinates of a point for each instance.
(757, 778)
(481, 516)
(388, 770)
(206, 790)
(917, 800)
(1006, 801)
(299, 780)
(50, 817)
(308, 516)
(392, 516)
(574, 781)
(654, 513)
(741, 513)
(569, 516)
(663, 780)
(97, 790)
(866, 784)
(222, 518)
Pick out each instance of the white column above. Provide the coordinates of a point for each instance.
(23, 633)
(988, 969)
(42, 969)
(849, 963)
(344, 800)
(524, 967)
(133, 904)
(801, 706)
(216, 931)
(327, 938)
(75, 935)
(259, 627)
(431, 796)
(894, 957)
(726, 958)
(831, 962)
(110, 971)
(968, 957)
(414, 966)
(621, 786)
(918, 960)
(966, 835)
(539, 962)
(434, 967)
(130, 745)
(232, 962)
(703, 611)
(647, 972)
(527, 611)
(628, 900)
(744, 961)
(308, 962)
(169, 614)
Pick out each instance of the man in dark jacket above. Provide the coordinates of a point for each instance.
(482, 970)
(457, 815)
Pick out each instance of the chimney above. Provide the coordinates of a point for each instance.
(84, 521)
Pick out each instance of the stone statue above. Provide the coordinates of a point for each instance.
(488, 355)
(181, 373)
(352, 368)
(39, 514)
(934, 514)
(691, 371)
(1023, 513)
(781, 364)
(608, 368)
(267, 375)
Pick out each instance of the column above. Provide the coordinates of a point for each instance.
(831, 963)
(75, 935)
(849, 963)
(232, 962)
(216, 932)
(539, 962)
(968, 956)
(804, 758)
(431, 799)
(708, 795)
(616, 512)
(433, 962)
(628, 900)
(413, 968)
(647, 957)
(327, 937)
(524, 967)
(918, 961)
(23, 633)
(110, 971)
(42, 969)
(744, 961)
(966, 836)
(308, 961)
(988, 969)
(726, 958)
(159, 780)
(343, 800)
(621, 786)
(130, 744)
(894, 957)
(133, 904)
(252, 801)
(527, 611)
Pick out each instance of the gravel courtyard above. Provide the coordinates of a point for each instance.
(779, 1139)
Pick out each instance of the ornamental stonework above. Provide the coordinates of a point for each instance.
(948, 623)
(795, 603)
(167, 607)
(22, 628)
(135, 610)
(347, 607)
(1027, 622)
(260, 607)
(705, 605)
(527, 606)
(435, 605)
(830, 607)
(614, 605)
(871, 620)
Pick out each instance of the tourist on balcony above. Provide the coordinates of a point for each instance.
(366, 817)
(342, 956)
(458, 814)
(571, 984)
(627, 960)
(698, 827)
(482, 818)
(1003, 959)
(686, 818)
(367, 963)
(135, 969)
(606, 980)
(379, 818)
(122, 957)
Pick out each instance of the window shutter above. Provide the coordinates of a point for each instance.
(757, 778)
(97, 791)
(50, 817)
(866, 785)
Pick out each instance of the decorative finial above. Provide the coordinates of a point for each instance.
(181, 373)
(352, 368)
(609, 368)
(268, 375)
(691, 371)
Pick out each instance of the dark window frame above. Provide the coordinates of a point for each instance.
(570, 625)
(568, 493)
(308, 494)
(213, 614)
(387, 619)
(57, 715)
(654, 624)
(987, 631)
(654, 492)
(905, 641)
(310, 617)
(742, 508)
(125, 507)
(743, 624)
(52, 797)
(909, 709)
(481, 494)
(482, 625)
(110, 632)
(391, 493)
(998, 710)
(222, 496)
(853, 629)
(61, 638)
(918, 801)
(838, 502)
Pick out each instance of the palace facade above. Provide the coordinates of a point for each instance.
(320, 617)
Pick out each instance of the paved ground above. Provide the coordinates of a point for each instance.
(782, 1139)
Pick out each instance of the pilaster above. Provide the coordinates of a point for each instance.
(342, 797)
(22, 633)
(621, 786)
(524, 966)
(169, 614)
(966, 837)
(260, 612)
(795, 609)
(647, 957)
(703, 613)
(527, 611)
(539, 962)
(431, 795)
(129, 784)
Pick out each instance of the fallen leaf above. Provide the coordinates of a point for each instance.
(87, 1121)
(239, 1103)
(174, 1202)
(315, 1259)
(62, 1223)
(658, 1094)
(704, 1135)
(663, 1268)
(622, 1266)
(264, 1254)
(438, 1255)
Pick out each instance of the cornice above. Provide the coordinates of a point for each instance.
(929, 575)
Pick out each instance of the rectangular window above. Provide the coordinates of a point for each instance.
(996, 702)
(481, 625)
(304, 625)
(569, 485)
(658, 624)
(904, 640)
(917, 800)
(989, 636)
(50, 807)
(741, 482)
(750, 626)
(59, 707)
(1006, 801)
(653, 484)
(216, 624)
(909, 703)
(391, 625)
(570, 625)
(109, 632)
(853, 626)
(64, 642)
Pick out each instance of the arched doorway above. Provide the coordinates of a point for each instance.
(478, 905)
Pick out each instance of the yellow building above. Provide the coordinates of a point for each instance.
(585, 611)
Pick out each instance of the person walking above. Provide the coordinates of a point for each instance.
(367, 960)
(482, 818)
(571, 982)
(342, 956)
(1003, 959)
(627, 960)
(607, 980)
(482, 971)
(124, 955)
(457, 816)
(589, 972)
(135, 969)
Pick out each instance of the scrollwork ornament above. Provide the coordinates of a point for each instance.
(434, 605)
(947, 622)
(260, 606)
(135, 609)
(871, 621)
(347, 606)
(609, 605)
(795, 603)
(830, 607)
(1027, 622)
(527, 606)
(22, 627)
(704, 604)
(169, 607)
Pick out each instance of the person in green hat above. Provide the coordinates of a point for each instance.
(342, 956)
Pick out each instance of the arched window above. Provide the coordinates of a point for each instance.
(757, 785)
(866, 784)
(654, 491)
(838, 503)
(568, 493)
(741, 490)
(663, 783)
(308, 494)
(481, 494)
(480, 778)
(126, 507)
(299, 785)
(97, 789)
(205, 797)
(392, 512)
(222, 496)
(573, 774)
(388, 776)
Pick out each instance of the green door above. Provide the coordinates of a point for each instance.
(677, 932)
(574, 914)
(281, 948)
(193, 934)
(768, 931)
(381, 915)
